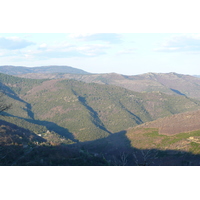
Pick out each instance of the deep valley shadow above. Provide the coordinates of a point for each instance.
(136, 118)
(177, 92)
(20, 132)
(10, 93)
(51, 126)
(94, 115)
(115, 150)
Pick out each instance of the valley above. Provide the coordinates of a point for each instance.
(100, 119)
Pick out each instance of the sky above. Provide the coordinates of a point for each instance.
(102, 36)
(124, 53)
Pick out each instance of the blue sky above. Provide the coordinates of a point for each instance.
(124, 53)
(102, 36)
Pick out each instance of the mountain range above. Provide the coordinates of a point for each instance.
(15, 70)
(112, 116)
(169, 83)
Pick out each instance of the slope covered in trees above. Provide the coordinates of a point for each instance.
(79, 111)
(169, 83)
(70, 122)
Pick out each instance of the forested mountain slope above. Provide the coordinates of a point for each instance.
(169, 83)
(79, 111)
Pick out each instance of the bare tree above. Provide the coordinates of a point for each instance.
(123, 157)
(146, 157)
(121, 160)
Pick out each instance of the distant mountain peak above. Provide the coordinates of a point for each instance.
(16, 70)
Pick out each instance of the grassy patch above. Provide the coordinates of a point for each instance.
(152, 133)
(195, 148)
(144, 138)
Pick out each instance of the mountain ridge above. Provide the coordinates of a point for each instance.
(86, 111)
(169, 83)
(87, 123)
(16, 70)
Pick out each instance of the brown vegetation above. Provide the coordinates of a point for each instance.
(169, 83)
(179, 123)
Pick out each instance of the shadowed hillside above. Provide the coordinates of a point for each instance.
(178, 132)
(123, 150)
(21, 148)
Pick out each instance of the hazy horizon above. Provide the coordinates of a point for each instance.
(102, 72)
(122, 53)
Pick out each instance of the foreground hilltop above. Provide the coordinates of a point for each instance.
(21, 147)
(178, 132)
(179, 123)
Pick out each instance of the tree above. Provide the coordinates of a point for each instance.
(145, 157)
(3, 105)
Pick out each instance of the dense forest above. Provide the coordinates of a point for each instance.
(81, 122)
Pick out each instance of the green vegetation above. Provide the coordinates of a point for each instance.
(13, 70)
(79, 111)
(70, 122)
(19, 85)
(168, 83)
(149, 137)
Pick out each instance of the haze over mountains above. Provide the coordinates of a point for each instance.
(15, 70)
(64, 105)
(169, 83)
